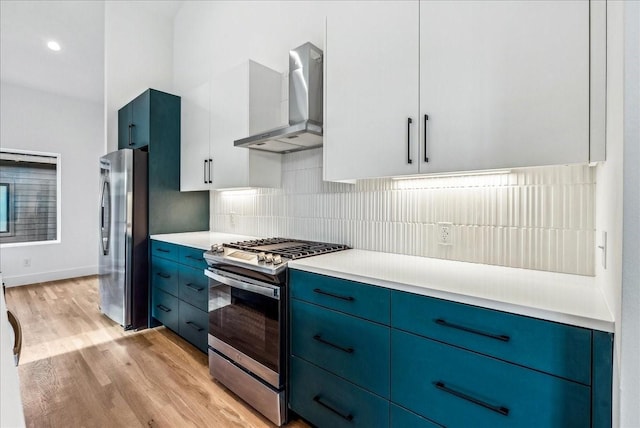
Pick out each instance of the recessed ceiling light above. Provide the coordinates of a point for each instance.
(53, 45)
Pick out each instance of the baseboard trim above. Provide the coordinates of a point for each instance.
(35, 278)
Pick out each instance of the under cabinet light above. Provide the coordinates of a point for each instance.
(454, 174)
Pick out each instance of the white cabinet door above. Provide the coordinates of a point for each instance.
(505, 84)
(194, 139)
(244, 100)
(371, 66)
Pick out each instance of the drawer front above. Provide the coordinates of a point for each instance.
(460, 388)
(164, 308)
(350, 347)
(365, 301)
(192, 257)
(550, 347)
(194, 325)
(326, 400)
(193, 287)
(402, 418)
(164, 275)
(164, 250)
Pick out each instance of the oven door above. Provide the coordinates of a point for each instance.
(245, 323)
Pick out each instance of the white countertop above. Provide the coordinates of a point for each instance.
(11, 413)
(203, 240)
(564, 298)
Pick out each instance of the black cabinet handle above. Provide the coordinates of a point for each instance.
(426, 158)
(162, 250)
(337, 296)
(409, 122)
(163, 308)
(189, 256)
(194, 326)
(204, 171)
(333, 345)
(210, 166)
(348, 416)
(444, 323)
(163, 275)
(498, 409)
(191, 286)
(131, 126)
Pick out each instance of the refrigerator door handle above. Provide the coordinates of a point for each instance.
(105, 218)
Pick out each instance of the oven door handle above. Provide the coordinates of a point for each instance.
(273, 293)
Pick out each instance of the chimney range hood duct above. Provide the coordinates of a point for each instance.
(305, 107)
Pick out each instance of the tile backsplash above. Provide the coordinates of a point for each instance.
(535, 218)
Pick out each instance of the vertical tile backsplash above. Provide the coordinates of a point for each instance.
(536, 218)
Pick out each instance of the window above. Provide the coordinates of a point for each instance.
(29, 197)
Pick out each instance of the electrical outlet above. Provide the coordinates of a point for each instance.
(26, 262)
(444, 233)
(232, 218)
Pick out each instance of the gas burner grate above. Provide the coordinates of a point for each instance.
(288, 248)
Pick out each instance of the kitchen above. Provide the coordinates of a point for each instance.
(205, 41)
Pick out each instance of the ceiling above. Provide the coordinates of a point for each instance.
(77, 70)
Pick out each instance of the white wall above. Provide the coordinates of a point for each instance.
(138, 56)
(630, 305)
(34, 120)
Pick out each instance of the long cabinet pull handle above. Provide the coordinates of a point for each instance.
(498, 409)
(445, 323)
(189, 256)
(163, 275)
(337, 296)
(409, 122)
(163, 308)
(319, 338)
(348, 416)
(162, 250)
(210, 170)
(426, 118)
(193, 287)
(204, 171)
(194, 326)
(131, 143)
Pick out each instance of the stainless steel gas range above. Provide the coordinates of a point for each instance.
(248, 317)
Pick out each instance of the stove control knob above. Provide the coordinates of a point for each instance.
(217, 248)
(268, 258)
(277, 260)
(261, 257)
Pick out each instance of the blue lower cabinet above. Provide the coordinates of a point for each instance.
(164, 275)
(193, 257)
(327, 400)
(350, 347)
(193, 287)
(164, 308)
(459, 388)
(193, 325)
(402, 418)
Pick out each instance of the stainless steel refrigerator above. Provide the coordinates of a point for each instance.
(123, 254)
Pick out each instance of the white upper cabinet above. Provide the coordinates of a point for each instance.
(234, 104)
(504, 84)
(371, 80)
(194, 139)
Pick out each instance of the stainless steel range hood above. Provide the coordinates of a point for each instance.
(305, 107)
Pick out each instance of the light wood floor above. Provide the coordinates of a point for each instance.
(79, 369)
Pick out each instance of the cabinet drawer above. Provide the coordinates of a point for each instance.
(194, 325)
(550, 347)
(193, 287)
(192, 257)
(460, 388)
(350, 347)
(164, 308)
(326, 400)
(164, 250)
(366, 301)
(402, 418)
(164, 275)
